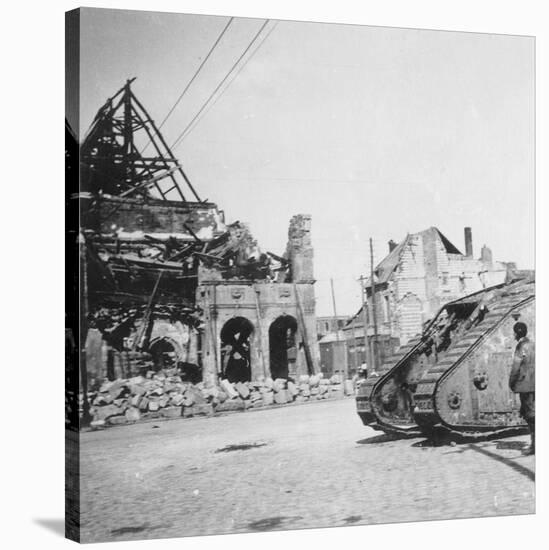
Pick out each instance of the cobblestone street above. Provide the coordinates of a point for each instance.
(294, 467)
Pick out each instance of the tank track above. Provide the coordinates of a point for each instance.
(368, 387)
(425, 412)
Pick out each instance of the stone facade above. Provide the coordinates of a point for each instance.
(270, 309)
(261, 305)
(213, 314)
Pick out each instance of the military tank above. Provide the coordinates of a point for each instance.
(454, 376)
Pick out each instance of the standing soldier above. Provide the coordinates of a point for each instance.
(522, 379)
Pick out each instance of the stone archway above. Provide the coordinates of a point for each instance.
(164, 352)
(282, 346)
(235, 350)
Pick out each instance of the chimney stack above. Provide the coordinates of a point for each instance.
(468, 242)
(392, 245)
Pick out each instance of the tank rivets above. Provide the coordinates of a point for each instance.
(480, 381)
(454, 400)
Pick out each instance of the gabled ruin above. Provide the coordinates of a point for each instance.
(167, 281)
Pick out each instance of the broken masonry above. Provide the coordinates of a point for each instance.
(166, 282)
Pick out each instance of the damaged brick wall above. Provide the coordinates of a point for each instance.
(273, 315)
(154, 216)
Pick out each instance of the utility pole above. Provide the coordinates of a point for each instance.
(365, 321)
(355, 356)
(337, 335)
(374, 313)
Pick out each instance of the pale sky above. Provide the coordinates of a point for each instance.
(373, 131)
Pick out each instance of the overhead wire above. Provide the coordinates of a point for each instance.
(204, 105)
(231, 81)
(178, 100)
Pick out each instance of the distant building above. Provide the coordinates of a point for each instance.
(326, 325)
(416, 278)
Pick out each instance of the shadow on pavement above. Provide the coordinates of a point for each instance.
(517, 467)
(269, 524)
(385, 438)
(56, 526)
(442, 438)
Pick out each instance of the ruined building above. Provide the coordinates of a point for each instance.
(417, 277)
(165, 281)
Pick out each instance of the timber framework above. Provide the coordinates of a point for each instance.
(165, 281)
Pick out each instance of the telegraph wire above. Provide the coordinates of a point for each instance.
(247, 49)
(232, 80)
(192, 79)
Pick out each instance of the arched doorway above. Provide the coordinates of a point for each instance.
(235, 350)
(163, 354)
(282, 346)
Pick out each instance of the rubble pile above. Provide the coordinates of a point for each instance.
(164, 394)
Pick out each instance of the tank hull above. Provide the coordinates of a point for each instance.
(454, 377)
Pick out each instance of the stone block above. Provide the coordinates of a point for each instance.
(163, 401)
(269, 383)
(315, 390)
(242, 390)
(304, 379)
(188, 399)
(97, 423)
(292, 389)
(314, 380)
(198, 394)
(169, 387)
(171, 412)
(187, 412)
(144, 404)
(177, 399)
(228, 388)
(153, 406)
(281, 397)
(106, 386)
(213, 392)
(221, 397)
(267, 398)
(255, 396)
(336, 387)
(103, 413)
(117, 420)
(135, 400)
(279, 384)
(324, 382)
(157, 391)
(335, 379)
(323, 389)
(236, 404)
(103, 399)
(118, 390)
(132, 414)
(304, 390)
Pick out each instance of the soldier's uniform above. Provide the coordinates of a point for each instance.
(522, 381)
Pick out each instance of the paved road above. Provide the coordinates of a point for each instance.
(303, 466)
